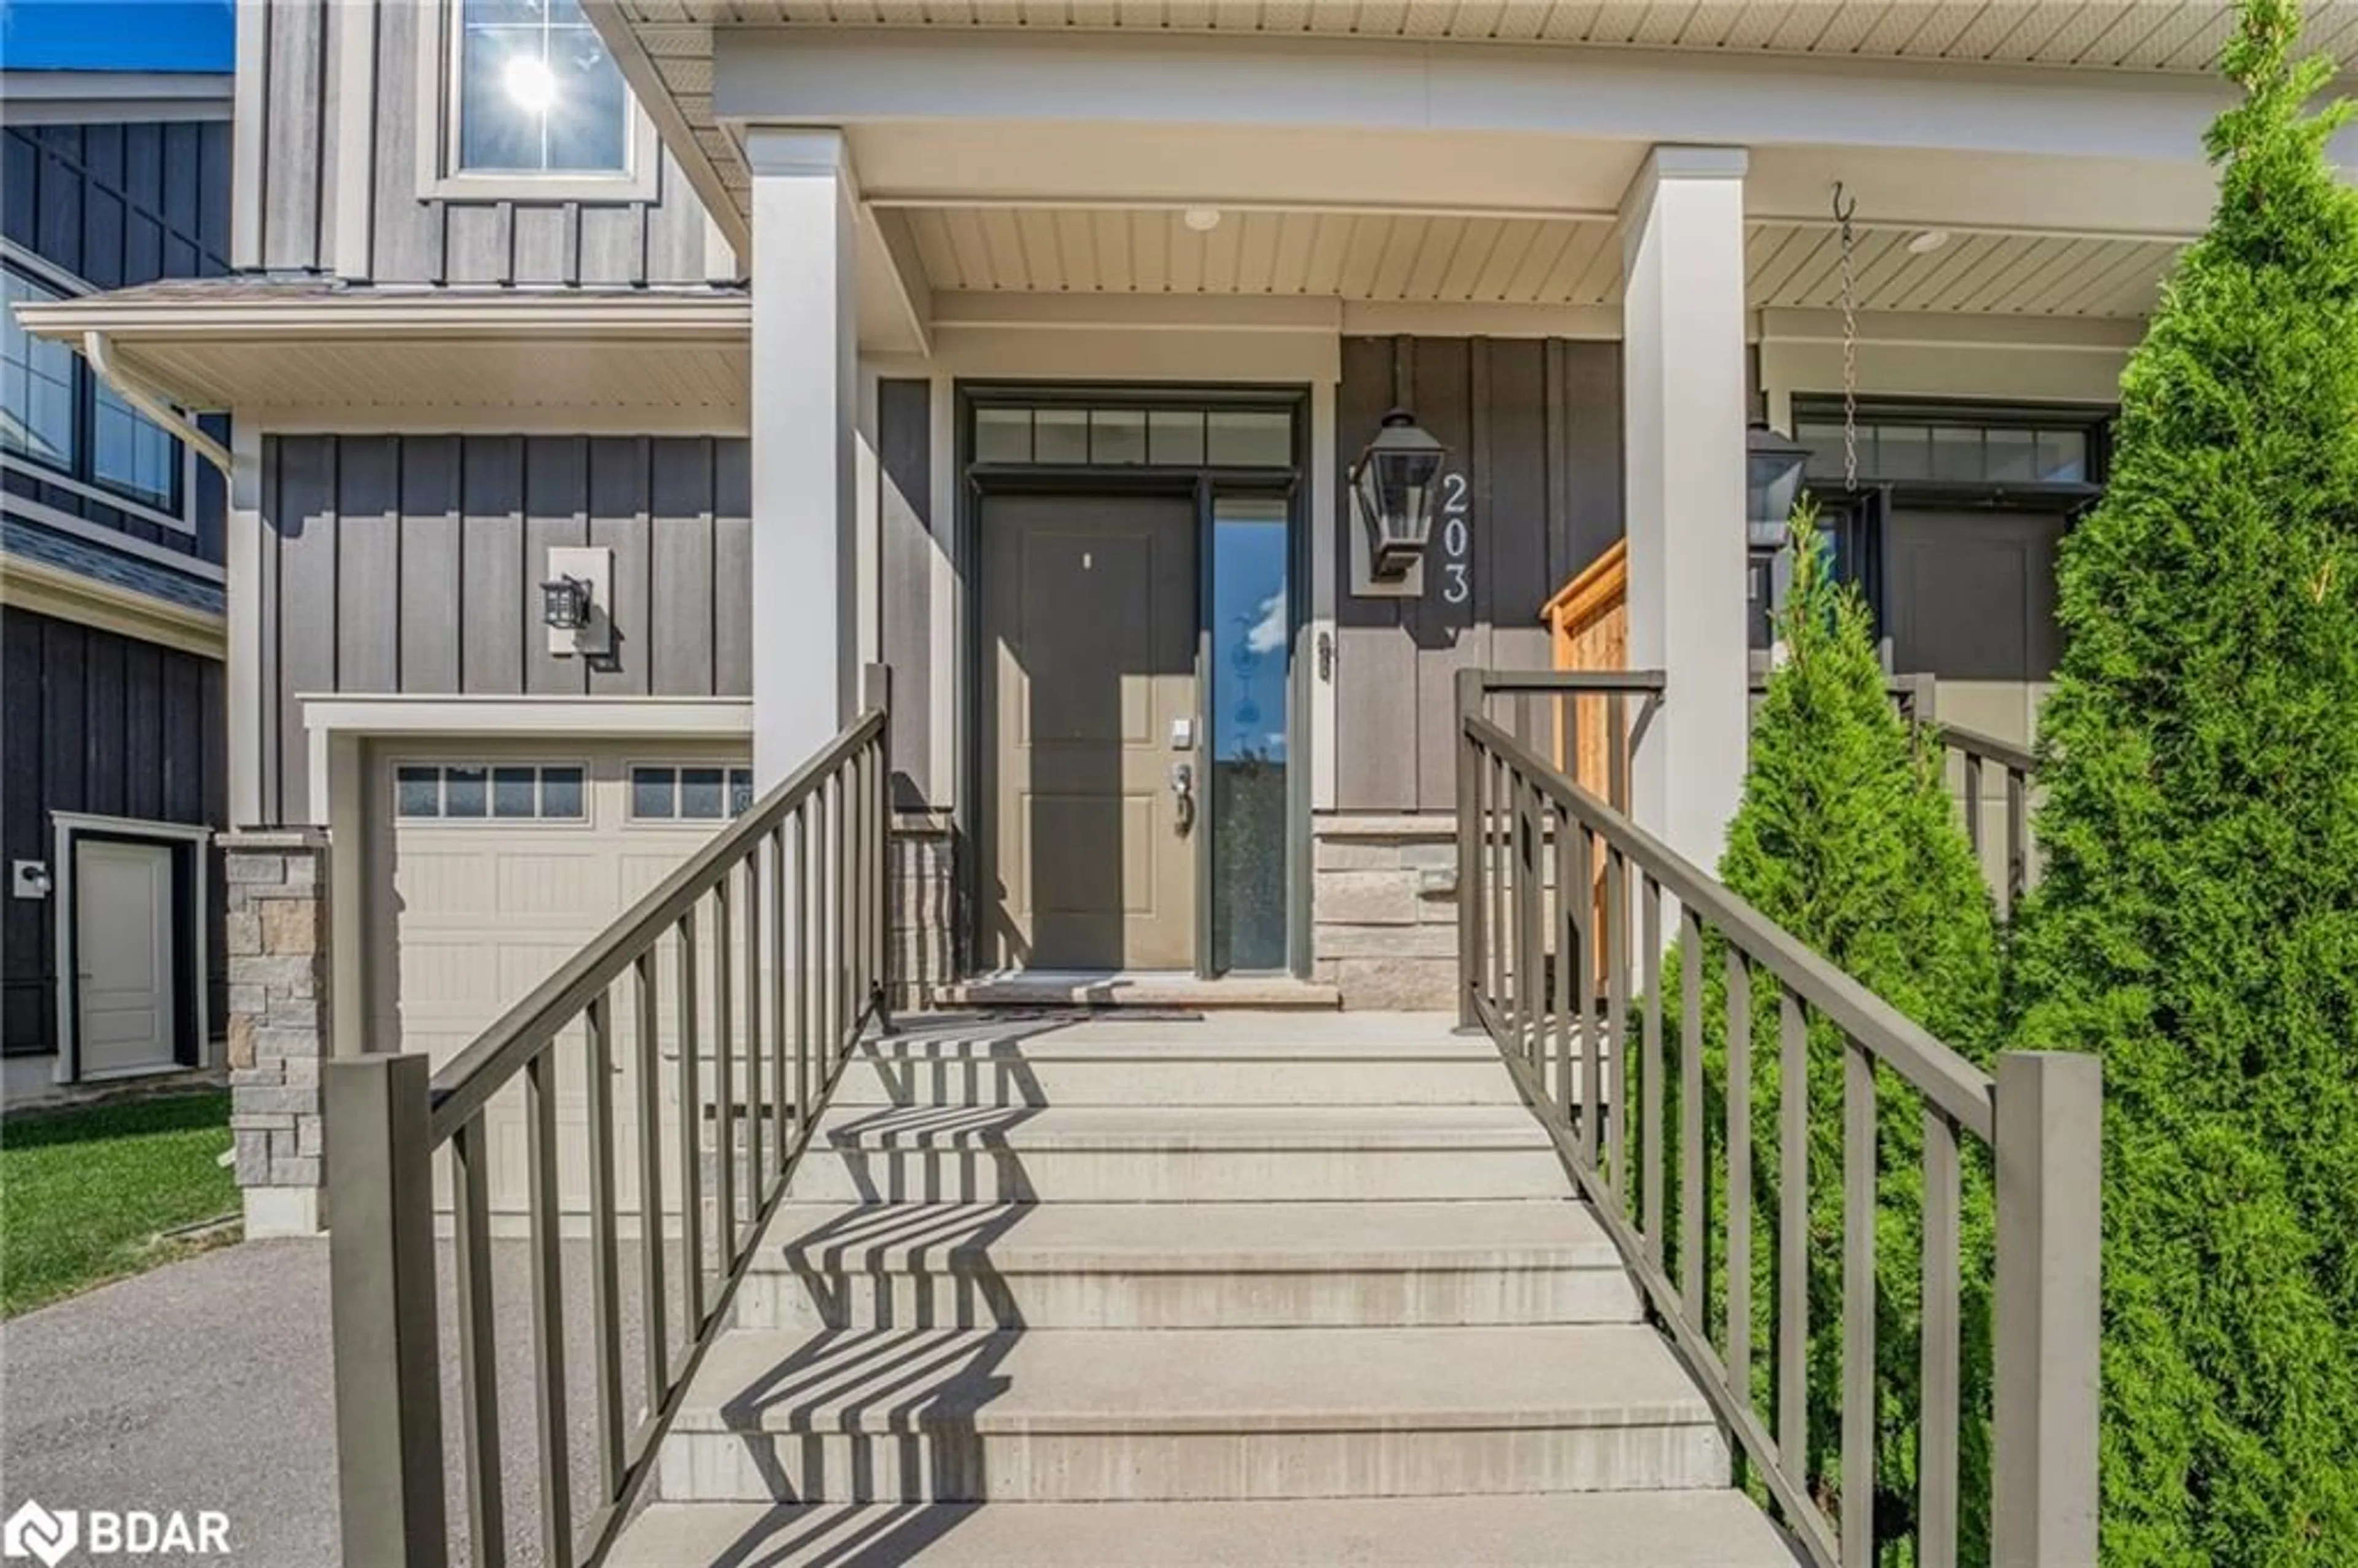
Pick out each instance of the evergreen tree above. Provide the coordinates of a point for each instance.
(1848, 837)
(2198, 923)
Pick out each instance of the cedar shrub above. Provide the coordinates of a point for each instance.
(2198, 921)
(1848, 839)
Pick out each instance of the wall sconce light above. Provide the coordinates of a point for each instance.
(1395, 491)
(577, 600)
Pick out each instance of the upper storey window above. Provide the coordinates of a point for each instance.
(62, 426)
(537, 93)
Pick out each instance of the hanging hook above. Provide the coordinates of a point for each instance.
(1844, 209)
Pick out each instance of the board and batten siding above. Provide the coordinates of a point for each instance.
(1535, 426)
(114, 206)
(92, 722)
(412, 564)
(906, 554)
(294, 64)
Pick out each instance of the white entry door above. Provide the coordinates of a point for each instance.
(122, 951)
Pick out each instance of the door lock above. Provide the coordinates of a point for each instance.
(1183, 794)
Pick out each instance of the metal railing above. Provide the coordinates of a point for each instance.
(1590, 721)
(2019, 768)
(754, 967)
(1531, 959)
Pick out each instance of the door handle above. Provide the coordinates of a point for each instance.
(1183, 794)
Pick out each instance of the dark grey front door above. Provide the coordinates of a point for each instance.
(1089, 705)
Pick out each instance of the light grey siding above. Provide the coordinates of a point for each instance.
(413, 564)
(294, 67)
(1536, 427)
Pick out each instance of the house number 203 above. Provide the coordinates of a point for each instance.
(1456, 539)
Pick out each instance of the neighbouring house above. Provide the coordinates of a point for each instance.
(608, 383)
(112, 592)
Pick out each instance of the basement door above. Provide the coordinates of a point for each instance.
(1089, 701)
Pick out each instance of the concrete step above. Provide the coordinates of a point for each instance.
(1236, 1265)
(1594, 1530)
(1176, 1068)
(1176, 1154)
(1074, 1415)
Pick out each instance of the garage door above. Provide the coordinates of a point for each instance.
(495, 864)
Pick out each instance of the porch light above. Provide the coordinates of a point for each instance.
(1395, 486)
(1772, 478)
(565, 604)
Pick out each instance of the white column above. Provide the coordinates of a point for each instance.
(1684, 418)
(805, 405)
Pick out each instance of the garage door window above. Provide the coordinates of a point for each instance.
(480, 791)
(690, 793)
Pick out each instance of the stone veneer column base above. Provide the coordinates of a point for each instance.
(278, 953)
(923, 923)
(1383, 909)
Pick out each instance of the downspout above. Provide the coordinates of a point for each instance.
(99, 353)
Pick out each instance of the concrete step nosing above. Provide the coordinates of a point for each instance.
(857, 1421)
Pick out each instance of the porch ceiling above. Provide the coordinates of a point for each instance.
(1528, 261)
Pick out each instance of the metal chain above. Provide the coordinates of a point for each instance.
(1844, 211)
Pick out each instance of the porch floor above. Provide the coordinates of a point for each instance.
(1137, 988)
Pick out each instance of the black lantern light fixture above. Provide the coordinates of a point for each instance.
(1396, 484)
(565, 603)
(1772, 480)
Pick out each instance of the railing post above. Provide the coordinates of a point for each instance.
(1469, 850)
(388, 1376)
(876, 693)
(2049, 1155)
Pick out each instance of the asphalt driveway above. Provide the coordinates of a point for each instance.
(208, 1384)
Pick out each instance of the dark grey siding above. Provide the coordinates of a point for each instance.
(296, 49)
(413, 564)
(95, 722)
(118, 205)
(904, 439)
(1536, 427)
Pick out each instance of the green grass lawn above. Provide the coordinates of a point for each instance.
(84, 1193)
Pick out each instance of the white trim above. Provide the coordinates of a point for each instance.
(440, 179)
(495, 420)
(524, 316)
(249, 134)
(718, 717)
(64, 827)
(1902, 329)
(1467, 318)
(82, 528)
(111, 97)
(44, 588)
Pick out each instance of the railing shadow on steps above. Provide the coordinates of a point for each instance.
(1572, 990)
(764, 959)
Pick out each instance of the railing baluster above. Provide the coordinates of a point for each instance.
(478, 1374)
(1739, 1175)
(655, 1343)
(2017, 851)
(1576, 928)
(1858, 1414)
(1942, 1405)
(1651, 1131)
(548, 1311)
(804, 1094)
(691, 1137)
(782, 1081)
(1495, 831)
(1973, 762)
(755, 1053)
(1470, 937)
(724, 1078)
(1692, 1197)
(605, 1246)
(1593, 1019)
(1793, 1240)
(1606, 1071)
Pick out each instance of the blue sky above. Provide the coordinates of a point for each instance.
(118, 35)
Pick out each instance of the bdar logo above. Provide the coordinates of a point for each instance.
(34, 1532)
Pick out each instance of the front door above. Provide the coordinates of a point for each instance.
(1089, 705)
(123, 955)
